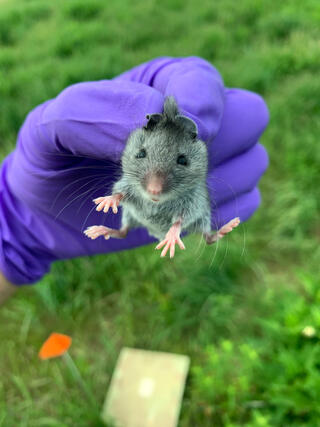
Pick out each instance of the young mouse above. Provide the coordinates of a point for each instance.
(163, 184)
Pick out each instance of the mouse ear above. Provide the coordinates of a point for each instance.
(153, 120)
(187, 124)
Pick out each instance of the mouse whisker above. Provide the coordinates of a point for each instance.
(94, 189)
(235, 197)
(91, 210)
(237, 214)
(67, 186)
(71, 201)
(244, 240)
(97, 167)
(86, 219)
(216, 244)
(225, 253)
(87, 183)
(201, 240)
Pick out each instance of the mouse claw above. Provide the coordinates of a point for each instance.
(108, 201)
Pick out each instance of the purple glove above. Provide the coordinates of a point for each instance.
(69, 148)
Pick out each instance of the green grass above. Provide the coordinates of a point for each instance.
(240, 317)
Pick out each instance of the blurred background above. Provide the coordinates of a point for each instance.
(240, 313)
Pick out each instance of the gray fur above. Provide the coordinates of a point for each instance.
(170, 108)
(185, 193)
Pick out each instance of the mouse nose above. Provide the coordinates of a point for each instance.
(154, 190)
(155, 184)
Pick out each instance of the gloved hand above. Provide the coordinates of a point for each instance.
(69, 148)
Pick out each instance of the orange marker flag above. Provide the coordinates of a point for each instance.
(56, 345)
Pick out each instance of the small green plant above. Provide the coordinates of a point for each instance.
(247, 313)
(275, 370)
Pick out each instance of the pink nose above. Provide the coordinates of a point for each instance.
(155, 185)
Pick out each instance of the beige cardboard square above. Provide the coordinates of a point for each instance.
(146, 389)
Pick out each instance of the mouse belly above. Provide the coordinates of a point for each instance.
(157, 223)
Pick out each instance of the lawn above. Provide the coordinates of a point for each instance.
(240, 314)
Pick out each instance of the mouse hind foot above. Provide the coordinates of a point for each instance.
(225, 229)
(171, 239)
(100, 230)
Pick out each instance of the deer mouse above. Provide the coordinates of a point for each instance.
(163, 184)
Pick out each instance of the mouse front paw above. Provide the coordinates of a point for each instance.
(169, 242)
(108, 201)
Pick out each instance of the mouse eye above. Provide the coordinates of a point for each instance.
(182, 160)
(142, 153)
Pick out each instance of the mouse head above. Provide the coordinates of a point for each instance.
(165, 159)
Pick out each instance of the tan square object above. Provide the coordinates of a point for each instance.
(146, 389)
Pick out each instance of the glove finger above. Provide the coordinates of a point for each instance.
(238, 175)
(80, 134)
(194, 82)
(244, 120)
(242, 206)
(94, 119)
